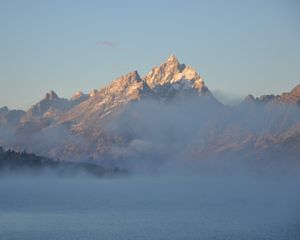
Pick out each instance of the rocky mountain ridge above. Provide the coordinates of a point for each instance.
(169, 114)
(292, 97)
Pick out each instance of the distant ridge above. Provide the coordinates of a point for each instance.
(167, 115)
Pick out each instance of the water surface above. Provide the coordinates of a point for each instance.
(170, 207)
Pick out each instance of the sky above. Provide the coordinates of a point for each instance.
(239, 47)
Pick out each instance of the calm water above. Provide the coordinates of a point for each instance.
(149, 208)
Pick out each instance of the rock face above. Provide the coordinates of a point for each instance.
(179, 76)
(10, 116)
(167, 115)
(78, 97)
(50, 105)
(292, 97)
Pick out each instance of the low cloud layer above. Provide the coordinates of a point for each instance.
(228, 98)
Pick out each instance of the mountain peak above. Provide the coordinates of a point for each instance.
(133, 76)
(128, 79)
(51, 96)
(77, 95)
(249, 98)
(296, 91)
(172, 72)
(93, 93)
(172, 59)
(121, 84)
(293, 96)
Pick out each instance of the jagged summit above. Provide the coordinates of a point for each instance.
(102, 102)
(51, 96)
(173, 72)
(172, 59)
(93, 93)
(250, 98)
(131, 77)
(168, 109)
(124, 81)
(128, 86)
(293, 96)
(49, 106)
(296, 90)
(78, 95)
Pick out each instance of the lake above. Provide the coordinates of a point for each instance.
(158, 207)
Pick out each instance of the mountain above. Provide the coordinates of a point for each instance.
(131, 87)
(171, 78)
(292, 97)
(10, 116)
(52, 106)
(168, 115)
(3, 110)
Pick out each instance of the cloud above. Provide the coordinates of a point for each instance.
(108, 44)
(228, 98)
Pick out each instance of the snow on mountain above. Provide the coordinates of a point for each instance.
(78, 95)
(129, 87)
(167, 114)
(175, 79)
(179, 76)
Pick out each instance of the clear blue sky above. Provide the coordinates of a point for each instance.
(238, 46)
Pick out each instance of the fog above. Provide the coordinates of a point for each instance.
(192, 175)
(169, 206)
(158, 133)
(203, 132)
(229, 99)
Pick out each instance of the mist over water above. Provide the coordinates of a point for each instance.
(172, 191)
(181, 205)
(198, 170)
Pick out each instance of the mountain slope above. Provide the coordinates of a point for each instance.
(167, 115)
(292, 97)
(52, 106)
